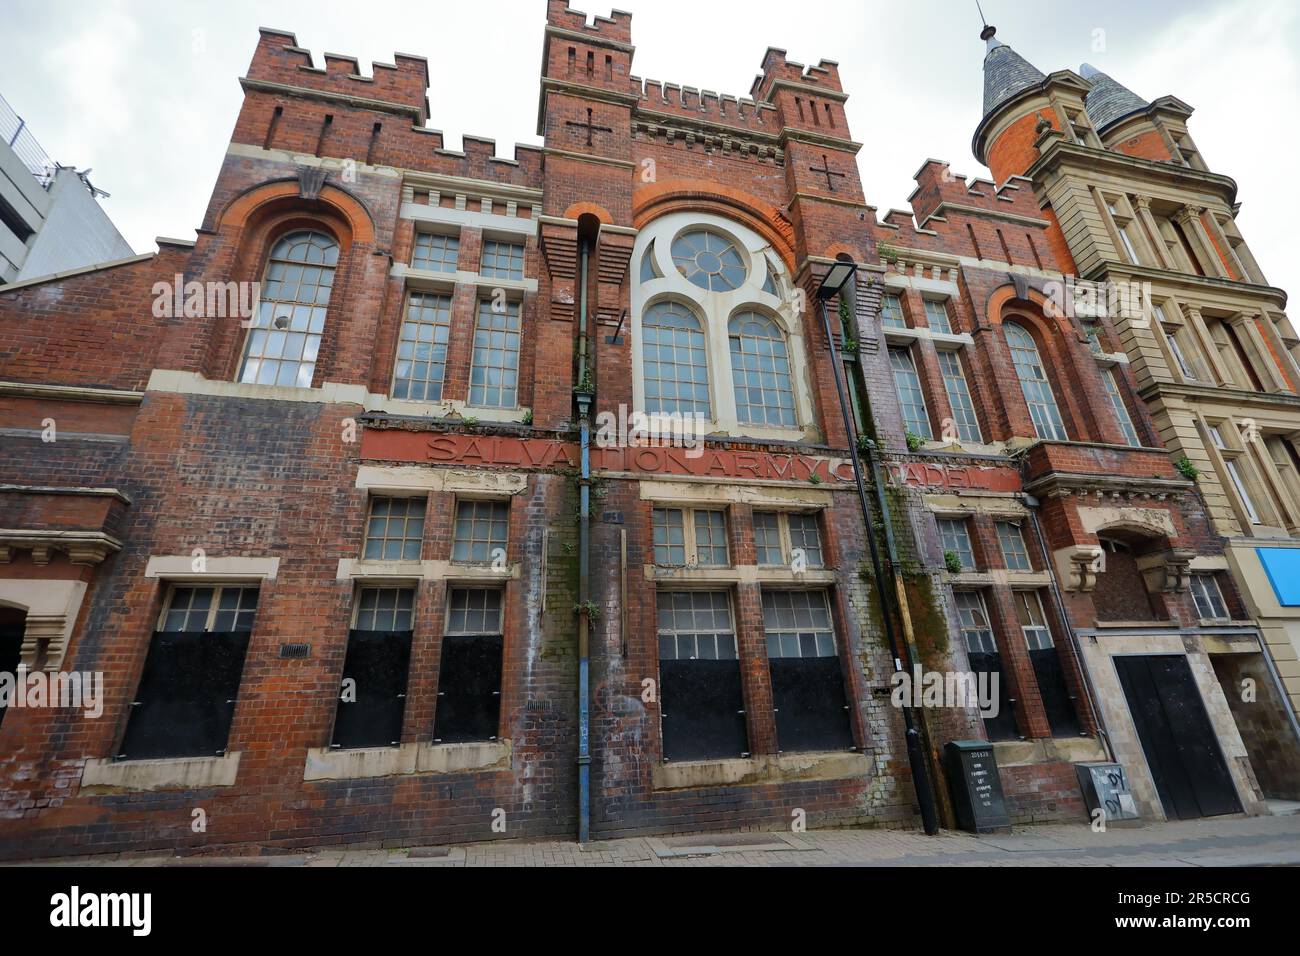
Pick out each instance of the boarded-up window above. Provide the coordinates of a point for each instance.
(807, 683)
(372, 698)
(186, 698)
(469, 678)
(703, 710)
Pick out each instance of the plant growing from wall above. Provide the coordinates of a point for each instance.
(914, 441)
(952, 562)
(1187, 469)
(590, 608)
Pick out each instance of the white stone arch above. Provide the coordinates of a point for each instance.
(716, 310)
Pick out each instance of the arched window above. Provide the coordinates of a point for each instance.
(285, 337)
(760, 372)
(675, 361)
(1034, 383)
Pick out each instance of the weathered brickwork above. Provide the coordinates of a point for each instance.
(140, 462)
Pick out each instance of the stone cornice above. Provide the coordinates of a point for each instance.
(703, 126)
(983, 213)
(71, 393)
(1231, 397)
(589, 158)
(1093, 160)
(478, 187)
(44, 490)
(82, 547)
(1167, 277)
(592, 39)
(360, 102)
(820, 91)
(790, 134)
(1064, 485)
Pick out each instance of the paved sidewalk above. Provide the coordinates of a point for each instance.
(1231, 841)
(1221, 842)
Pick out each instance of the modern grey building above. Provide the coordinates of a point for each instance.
(50, 218)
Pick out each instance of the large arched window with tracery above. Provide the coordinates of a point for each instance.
(760, 372)
(714, 335)
(285, 337)
(674, 361)
(1037, 388)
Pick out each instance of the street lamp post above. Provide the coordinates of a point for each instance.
(839, 276)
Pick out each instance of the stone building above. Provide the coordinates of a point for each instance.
(368, 557)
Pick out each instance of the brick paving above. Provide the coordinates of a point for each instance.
(1224, 841)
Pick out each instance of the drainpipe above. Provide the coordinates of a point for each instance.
(1032, 504)
(584, 399)
(916, 756)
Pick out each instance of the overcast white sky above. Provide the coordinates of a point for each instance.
(146, 92)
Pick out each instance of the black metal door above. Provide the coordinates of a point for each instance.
(469, 689)
(1177, 737)
(703, 710)
(1001, 726)
(186, 698)
(12, 625)
(377, 664)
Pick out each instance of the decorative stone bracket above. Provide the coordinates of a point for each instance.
(1080, 565)
(1168, 572)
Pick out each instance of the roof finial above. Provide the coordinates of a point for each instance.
(988, 32)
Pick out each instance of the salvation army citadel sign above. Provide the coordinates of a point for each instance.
(506, 452)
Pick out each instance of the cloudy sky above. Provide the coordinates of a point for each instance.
(146, 92)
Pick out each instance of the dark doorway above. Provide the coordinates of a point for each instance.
(13, 623)
(1177, 738)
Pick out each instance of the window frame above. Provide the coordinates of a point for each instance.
(964, 629)
(476, 503)
(365, 588)
(214, 606)
(438, 326)
(494, 245)
(910, 422)
(1200, 577)
(690, 535)
(1127, 427)
(962, 522)
(930, 305)
(310, 336)
(423, 519)
(514, 311)
(964, 402)
(448, 238)
(1054, 420)
(1019, 538)
(785, 538)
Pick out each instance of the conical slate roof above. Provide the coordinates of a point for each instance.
(1108, 101)
(1006, 72)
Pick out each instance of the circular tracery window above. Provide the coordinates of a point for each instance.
(709, 261)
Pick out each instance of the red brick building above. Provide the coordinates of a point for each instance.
(367, 565)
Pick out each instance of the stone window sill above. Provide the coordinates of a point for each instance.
(144, 776)
(325, 763)
(762, 769)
